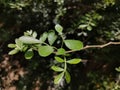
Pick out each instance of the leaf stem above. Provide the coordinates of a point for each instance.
(62, 40)
(65, 65)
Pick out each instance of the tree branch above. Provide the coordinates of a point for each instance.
(96, 46)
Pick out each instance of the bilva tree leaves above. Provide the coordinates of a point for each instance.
(45, 46)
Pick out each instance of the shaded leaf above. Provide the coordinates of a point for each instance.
(51, 37)
(57, 69)
(74, 61)
(74, 44)
(59, 59)
(29, 54)
(67, 77)
(58, 78)
(45, 51)
(28, 40)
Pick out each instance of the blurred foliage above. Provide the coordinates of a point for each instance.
(18, 16)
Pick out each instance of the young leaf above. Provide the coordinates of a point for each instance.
(57, 69)
(59, 28)
(28, 40)
(11, 45)
(67, 77)
(43, 37)
(58, 78)
(14, 51)
(74, 44)
(59, 59)
(74, 61)
(29, 54)
(34, 34)
(60, 51)
(45, 51)
(18, 43)
(51, 37)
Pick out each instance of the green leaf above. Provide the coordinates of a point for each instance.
(74, 44)
(82, 26)
(92, 24)
(60, 51)
(74, 61)
(28, 40)
(118, 69)
(18, 43)
(25, 47)
(67, 77)
(51, 37)
(59, 28)
(89, 28)
(34, 34)
(45, 51)
(11, 45)
(57, 69)
(14, 51)
(59, 59)
(43, 37)
(28, 33)
(58, 78)
(29, 54)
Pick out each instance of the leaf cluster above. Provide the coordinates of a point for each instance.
(29, 42)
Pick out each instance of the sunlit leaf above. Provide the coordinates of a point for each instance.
(59, 28)
(117, 69)
(18, 43)
(74, 44)
(57, 69)
(43, 37)
(14, 51)
(28, 40)
(58, 78)
(74, 61)
(51, 37)
(92, 24)
(11, 45)
(67, 77)
(59, 59)
(34, 34)
(60, 51)
(45, 51)
(89, 28)
(82, 26)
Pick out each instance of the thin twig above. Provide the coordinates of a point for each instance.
(96, 46)
(101, 46)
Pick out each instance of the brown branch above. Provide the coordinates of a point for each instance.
(101, 46)
(96, 46)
